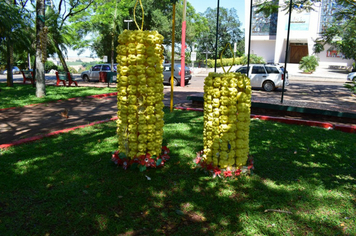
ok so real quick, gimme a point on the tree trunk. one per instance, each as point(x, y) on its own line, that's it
point(61, 57)
point(40, 49)
point(9, 77)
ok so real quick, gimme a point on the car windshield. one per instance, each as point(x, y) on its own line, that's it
point(179, 66)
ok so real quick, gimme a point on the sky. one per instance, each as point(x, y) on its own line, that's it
point(200, 6)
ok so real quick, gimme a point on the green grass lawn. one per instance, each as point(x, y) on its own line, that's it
point(67, 185)
point(24, 94)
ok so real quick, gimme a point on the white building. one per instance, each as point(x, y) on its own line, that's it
point(269, 35)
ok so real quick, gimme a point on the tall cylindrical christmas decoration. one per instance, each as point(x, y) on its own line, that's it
point(140, 99)
point(227, 102)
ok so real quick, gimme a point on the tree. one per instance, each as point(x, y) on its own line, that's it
point(14, 33)
point(229, 31)
point(104, 26)
point(341, 34)
point(60, 34)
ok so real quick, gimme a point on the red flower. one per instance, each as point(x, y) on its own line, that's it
point(237, 172)
point(210, 167)
point(115, 157)
point(152, 163)
point(197, 160)
point(217, 171)
point(227, 173)
point(165, 150)
point(162, 163)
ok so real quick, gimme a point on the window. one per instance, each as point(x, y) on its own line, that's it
point(106, 67)
point(242, 70)
point(167, 68)
point(272, 70)
point(96, 68)
point(258, 70)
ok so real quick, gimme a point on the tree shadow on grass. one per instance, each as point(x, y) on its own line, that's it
point(68, 184)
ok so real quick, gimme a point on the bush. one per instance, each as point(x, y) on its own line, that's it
point(351, 86)
point(225, 62)
point(308, 64)
point(49, 65)
point(254, 59)
point(73, 70)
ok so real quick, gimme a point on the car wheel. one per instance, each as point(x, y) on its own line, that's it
point(268, 86)
point(86, 78)
point(175, 82)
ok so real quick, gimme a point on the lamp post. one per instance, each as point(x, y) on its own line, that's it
point(128, 23)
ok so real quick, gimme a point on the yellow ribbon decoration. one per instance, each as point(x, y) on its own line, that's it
point(143, 15)
point(233, 60)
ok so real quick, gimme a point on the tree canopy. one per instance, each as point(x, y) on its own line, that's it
point(341, 33)
point(229, 31)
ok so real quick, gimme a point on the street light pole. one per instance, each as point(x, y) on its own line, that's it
point(128, 23)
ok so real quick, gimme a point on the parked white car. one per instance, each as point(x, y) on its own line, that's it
point(352, 76)
point(268, 77)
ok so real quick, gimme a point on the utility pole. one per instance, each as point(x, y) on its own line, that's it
point(182, 64)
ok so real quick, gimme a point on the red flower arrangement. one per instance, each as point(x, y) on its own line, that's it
point(141, 162)
point(226, 173)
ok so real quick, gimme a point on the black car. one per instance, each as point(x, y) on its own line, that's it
point(176, 74)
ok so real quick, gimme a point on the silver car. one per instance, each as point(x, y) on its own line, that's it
point(93, 73)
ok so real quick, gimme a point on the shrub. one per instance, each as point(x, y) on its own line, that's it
point(254, 59)
point(351, 86)
point(308, 64)
point(73, 70)
point(225, 62)
point(49, 65)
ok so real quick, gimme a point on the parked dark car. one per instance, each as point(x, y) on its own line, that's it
point(93, 73)
point(176, 74)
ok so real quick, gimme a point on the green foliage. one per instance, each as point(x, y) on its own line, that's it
point(309, 63)
point(254, 59)
point(16, 30)
point(342, 28)
point(225, 62)
point(351, 86)
point(229, 32)
point(73, 70)
point(49, 65)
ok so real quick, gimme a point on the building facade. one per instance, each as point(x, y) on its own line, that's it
point(269, 34)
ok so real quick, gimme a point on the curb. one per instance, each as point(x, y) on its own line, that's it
point(35, 138)
point(325, 125)
point(104, 95)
